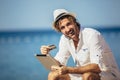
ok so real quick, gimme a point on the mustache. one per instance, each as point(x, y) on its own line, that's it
point(70, 31)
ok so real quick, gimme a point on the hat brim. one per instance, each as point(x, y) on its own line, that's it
point(64, 14)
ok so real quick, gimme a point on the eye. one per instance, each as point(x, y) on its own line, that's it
point(62, 27)
point(69, 23)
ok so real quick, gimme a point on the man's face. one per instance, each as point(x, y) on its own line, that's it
point(69, 29)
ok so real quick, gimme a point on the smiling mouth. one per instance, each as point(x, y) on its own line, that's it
point(71, 32)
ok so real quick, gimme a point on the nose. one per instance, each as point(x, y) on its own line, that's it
point(67, 29)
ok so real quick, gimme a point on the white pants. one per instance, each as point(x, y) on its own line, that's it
point(109, 76)
point(75, 77)
point(104, 76)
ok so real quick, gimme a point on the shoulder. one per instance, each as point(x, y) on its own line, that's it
point(90, 34)
point(90, 31)
point(64, 42)
point(63, 37)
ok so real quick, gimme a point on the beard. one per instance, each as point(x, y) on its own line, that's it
point(72, 34)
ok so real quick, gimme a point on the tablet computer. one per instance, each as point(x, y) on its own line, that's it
point(47, 60)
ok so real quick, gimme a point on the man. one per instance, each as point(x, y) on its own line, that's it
point(91, 54)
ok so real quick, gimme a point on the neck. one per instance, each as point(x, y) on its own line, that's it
point(76, 42)
point(76, 39)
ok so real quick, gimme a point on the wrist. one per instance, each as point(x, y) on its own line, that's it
point(70, 70)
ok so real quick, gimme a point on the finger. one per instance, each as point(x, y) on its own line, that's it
point(60, 72)
point(44, 52)
point(44, 49)
point(48, 47)
point(55, 67)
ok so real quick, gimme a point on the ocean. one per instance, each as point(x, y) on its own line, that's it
point(18, 49)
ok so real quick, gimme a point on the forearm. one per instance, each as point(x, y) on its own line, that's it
point(83, 69)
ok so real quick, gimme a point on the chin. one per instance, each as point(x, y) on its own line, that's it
point(72, 37)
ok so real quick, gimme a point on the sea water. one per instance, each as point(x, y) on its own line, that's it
point(17, 50)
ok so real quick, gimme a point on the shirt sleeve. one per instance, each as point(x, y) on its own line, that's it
point(97, 48)
point(63, 54)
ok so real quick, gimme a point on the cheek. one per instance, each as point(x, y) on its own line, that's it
point(63, 31)
point(72, 27)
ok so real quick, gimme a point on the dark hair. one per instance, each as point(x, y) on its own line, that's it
point(69, 17)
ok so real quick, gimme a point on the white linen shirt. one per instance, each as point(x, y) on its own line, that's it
point(91, 48)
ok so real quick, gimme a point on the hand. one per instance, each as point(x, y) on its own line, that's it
point(61, 70)
point(44, 49)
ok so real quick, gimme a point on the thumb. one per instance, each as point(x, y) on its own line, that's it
point(55, 67)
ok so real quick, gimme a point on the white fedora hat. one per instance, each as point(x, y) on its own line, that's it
point(57, 14)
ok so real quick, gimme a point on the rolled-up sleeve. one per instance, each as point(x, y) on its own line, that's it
point(63, 54)
point(97, 49)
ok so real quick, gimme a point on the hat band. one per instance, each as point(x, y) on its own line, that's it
point(59, 16)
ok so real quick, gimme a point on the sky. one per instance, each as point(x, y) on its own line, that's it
point(38, 14)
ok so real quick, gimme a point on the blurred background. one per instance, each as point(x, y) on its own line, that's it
point(25, 25)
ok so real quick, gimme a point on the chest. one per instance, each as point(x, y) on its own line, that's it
point(81, 54)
